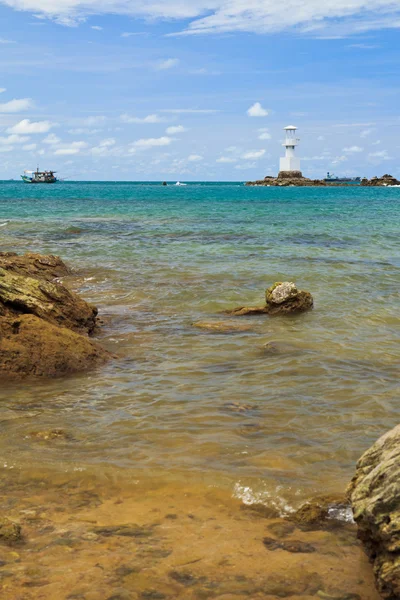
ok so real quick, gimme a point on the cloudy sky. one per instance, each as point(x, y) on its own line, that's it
point(198, 89)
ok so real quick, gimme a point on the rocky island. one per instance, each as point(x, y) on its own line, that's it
point(296, 179)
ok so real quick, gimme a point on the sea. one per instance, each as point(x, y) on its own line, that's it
point(201, 417)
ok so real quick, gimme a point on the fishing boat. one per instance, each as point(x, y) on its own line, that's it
point(331, 178)
point(39, 176)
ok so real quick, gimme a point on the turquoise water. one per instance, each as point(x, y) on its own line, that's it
point(219, 409)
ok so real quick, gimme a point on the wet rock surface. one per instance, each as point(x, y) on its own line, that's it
point(374, 493)
point(318, 512)
point(280, 298)
point(10, 532)
point(289, 546)
point(44, 327)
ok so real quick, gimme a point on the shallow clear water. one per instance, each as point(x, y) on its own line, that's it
point(182, 404)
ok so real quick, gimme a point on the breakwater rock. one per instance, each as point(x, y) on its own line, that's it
point(383, 181)
point(374, 493)
point(281, 298)
point(288, 179)
point(44, 327)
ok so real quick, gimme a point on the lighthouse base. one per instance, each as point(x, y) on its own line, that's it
point(290, 175)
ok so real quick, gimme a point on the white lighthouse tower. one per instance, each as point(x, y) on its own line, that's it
point(290, 163)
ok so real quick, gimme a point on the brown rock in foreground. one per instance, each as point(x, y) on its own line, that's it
point(281, 298)
point(48, 300)
point(31, 347)
point(374, 493)
point(44, 326)
point(34, 265)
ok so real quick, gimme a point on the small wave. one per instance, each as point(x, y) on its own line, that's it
point(248, 496)
point(4, 224)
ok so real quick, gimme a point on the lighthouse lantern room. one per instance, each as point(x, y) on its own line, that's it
point(290, 163)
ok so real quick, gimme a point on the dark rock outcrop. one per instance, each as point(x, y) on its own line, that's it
point(281, 298)
point(287, 179)
point(383, 181)
point(374, 493)
point(44, 327)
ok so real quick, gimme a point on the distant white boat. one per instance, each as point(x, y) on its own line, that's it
point(179, 183)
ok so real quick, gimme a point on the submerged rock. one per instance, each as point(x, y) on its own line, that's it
point(281, 298)
point(222, 326)
point(294, 546)
point(316, 512)
point(374, 493)
point(43, 325)
point(10, 532)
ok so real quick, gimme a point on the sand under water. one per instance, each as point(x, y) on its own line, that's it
point(132, 481)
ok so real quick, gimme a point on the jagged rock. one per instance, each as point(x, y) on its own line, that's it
point(43, 325)
point(50, 301)
point(281, 298)
point(383, 181)
point(32, 347)
point(374, 493)
point(281, 292)
point(34, 265)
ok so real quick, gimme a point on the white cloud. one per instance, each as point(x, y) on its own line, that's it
point(175, 129)
point(97, 28)
point(226, 159)
point(72, 148)
point(128, 34)
point(245, 166)
point(90, 121)
point(253, 154)
point(5, 41)
point(66, 151)
point(83, 130)
point(107, 143)
point(256, 110)
point(29, 147)
point(13, 139)
point(366, 132)
point(169, 63)
point(331, 18)
point(16, 106)
point(339, 159)
point(264, 134)
point(3, 90)
point(26, 126)
point(51, 139)
point(353, 149)
point(149, 119)
point(195, 158)
point(189, 111)
point(6, 148)
point(379, 156)
point(152, 142)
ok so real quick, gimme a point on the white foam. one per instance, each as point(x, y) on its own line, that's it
point(248, 496)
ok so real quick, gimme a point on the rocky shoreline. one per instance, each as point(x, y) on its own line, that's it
point(44, 327)
point(296, 179)
point(46, 331)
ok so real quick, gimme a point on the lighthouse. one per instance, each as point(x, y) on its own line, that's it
point(290, 164)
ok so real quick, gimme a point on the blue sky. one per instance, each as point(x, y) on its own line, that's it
point(198, 89)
